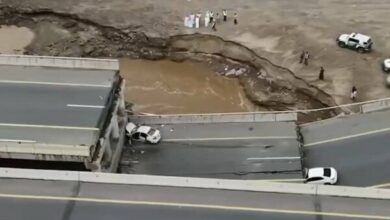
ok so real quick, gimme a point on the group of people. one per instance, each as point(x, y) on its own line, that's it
point(210, 19)
point(304, 58)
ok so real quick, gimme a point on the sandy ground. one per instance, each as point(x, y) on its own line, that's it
point(276, 29)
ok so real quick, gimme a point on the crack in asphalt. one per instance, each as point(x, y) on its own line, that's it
point(69, 207)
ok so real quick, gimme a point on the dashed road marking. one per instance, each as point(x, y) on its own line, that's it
point(54, 83)
point(48, 126)
point(229, 138)
point(85, 106)
point(273, 158)
point(17, 141)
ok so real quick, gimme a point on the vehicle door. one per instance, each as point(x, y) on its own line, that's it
point(352, 42)
point(143, 136)
point(315, 180)
point(136, 136)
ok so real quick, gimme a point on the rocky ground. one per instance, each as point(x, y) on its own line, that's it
point(266, 43)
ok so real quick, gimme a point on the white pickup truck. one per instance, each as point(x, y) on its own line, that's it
point(360, 42)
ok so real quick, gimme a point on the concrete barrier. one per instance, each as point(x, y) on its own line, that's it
point(213, 118)
point(39, 174)
point(222, 184)
point(62, 62)
point(376, 106)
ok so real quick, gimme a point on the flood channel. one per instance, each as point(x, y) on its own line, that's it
point(166, 87)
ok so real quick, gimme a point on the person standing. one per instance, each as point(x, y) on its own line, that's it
point(207, 19)
point(192, 18)
point(235, 18)
point(321, 75)
point(224, 12)
point(186, 21)
point(306, 57)
point(217, 18)
point(213, 26)
point(353, 93)
point(211, 17)
point(301, 57)
point(197, 21)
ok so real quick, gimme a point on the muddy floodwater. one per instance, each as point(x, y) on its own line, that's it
point(14, 39)
point(167, 87)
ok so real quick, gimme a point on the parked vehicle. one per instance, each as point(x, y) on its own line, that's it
point(386, 65)
point(360, 42)
point(143, 133)
point(321, 175)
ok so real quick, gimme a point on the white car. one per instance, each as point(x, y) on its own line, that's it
point(360, 42)
point(321, 175)
point(386, 65)
point(143, 133)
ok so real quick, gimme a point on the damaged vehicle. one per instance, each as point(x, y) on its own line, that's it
point(143, 133)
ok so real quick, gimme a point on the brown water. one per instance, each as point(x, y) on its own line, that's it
point(163, 87)
point(14, 39)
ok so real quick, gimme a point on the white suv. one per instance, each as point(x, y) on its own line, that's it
point(321, 175)
point(360, 42)
point(386, 65)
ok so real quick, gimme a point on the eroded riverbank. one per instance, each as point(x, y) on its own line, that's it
point(267, 85)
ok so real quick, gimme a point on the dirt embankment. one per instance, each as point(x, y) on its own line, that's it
point(266, 84)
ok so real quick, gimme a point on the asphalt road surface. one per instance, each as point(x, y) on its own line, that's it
point(221, 150)
point(358, 146)
point(52, 200)
point(53, 105)
point(360, 161)
point(258, 160)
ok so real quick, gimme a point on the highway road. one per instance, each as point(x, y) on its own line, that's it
point(360, 161)
point(52, 200)
point(47, 105)
point(210, 160)
point(357, 146)
point(220, 150)
point(62, 105)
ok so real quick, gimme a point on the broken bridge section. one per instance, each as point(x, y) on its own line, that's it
point(238, 146)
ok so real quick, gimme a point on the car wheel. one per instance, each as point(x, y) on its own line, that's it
point(341, 44)
point(360, 50)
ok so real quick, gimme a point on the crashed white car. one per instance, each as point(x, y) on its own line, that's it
point(360, 42)
point(143, 133)
point(386, 65)
point(321, 175)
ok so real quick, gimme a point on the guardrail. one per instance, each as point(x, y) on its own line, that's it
point(184, 182)
point(376, 106)
point(213, 118)
point(291, 115)
point(62, 62)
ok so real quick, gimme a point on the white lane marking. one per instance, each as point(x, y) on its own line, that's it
point(229, 138)
point(347, 137)
point(273, 158)
point(85, 106)
point(48, 126)
point(194, 205)
point(380, 185)
point(278, 180)
point(54, 83)
point(17, 141)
